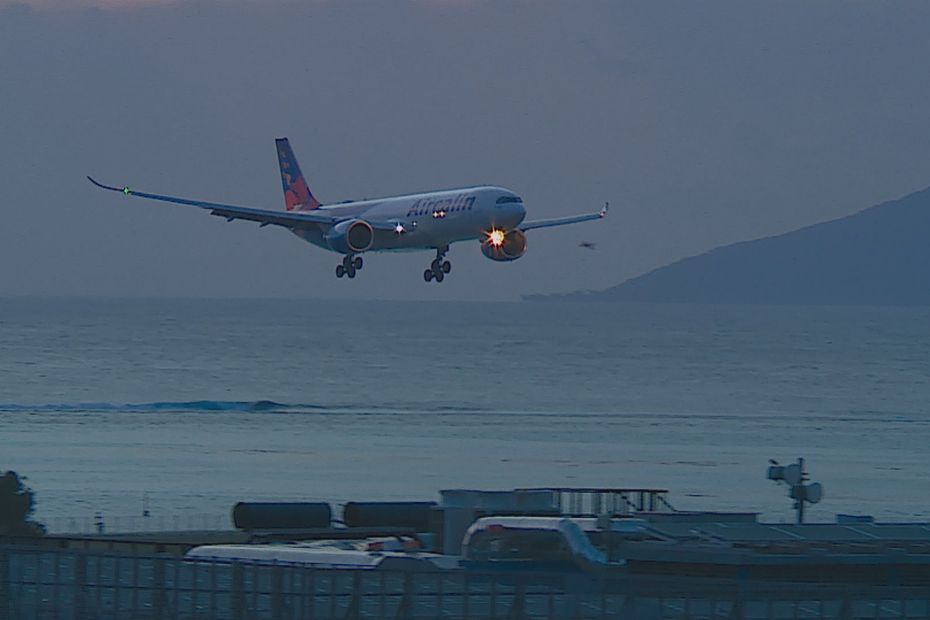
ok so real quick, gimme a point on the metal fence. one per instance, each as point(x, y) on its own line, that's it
point(597, 501)
point(68, 585)
point(109, 524)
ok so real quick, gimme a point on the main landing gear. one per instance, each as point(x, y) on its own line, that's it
point(350, 265)
point(439, 267)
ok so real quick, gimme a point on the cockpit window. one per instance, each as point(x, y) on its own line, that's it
point(506, 199)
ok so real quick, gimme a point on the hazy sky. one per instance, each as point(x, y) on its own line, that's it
point(702, 123)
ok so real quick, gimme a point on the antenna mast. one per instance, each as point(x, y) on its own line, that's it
point(795, 477)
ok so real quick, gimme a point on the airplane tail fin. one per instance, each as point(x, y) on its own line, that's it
point(297, 196)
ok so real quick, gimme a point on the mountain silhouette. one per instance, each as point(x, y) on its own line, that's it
point(878, 256)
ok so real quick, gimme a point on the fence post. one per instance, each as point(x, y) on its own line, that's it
point(846, 606)
point(737, 612)
point(403, 610)
point(310, 579)
point(466, 593)
point(238, 591)
point(158, 588)
point(80, 584)
point(277, 593)
point(5, 584)
point(518, 606)
point(572, 588)
point(355, 603)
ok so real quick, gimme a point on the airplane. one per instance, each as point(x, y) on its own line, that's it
point(492, 215)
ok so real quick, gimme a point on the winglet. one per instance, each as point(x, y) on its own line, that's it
point(125, 190)
point(603, 212)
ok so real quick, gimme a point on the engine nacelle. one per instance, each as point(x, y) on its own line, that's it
point(350, 236)
point(511, 247)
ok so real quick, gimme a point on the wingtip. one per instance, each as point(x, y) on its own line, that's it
point(125, 190)
point(97, 183)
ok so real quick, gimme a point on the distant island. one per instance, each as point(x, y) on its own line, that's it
point(879, 256)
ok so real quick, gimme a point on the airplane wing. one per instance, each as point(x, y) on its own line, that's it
point(561, 221)
point(288, 219)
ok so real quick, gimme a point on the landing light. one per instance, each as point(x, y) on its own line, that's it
point(496, 237)
point(399, 228)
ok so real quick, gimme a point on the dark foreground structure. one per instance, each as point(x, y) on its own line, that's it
point(527, 554)
point(83, 585)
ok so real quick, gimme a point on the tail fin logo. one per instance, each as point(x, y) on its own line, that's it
point(297, 195)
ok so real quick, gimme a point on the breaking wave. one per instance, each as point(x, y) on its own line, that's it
point(239, 406)
point(193, 405)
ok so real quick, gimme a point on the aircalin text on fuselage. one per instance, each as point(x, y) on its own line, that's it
point(438, 208)
point(494, 216)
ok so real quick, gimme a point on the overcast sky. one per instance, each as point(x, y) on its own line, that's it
point(702, 124)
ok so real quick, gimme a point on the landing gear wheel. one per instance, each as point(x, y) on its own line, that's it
point(439, 267)
point(340, 271)
point(351, 271)
point(357, 262)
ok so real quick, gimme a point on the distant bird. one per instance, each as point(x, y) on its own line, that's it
point(587, 244)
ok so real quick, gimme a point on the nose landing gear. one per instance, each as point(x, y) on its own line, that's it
point(439, 267)
point(350, 265)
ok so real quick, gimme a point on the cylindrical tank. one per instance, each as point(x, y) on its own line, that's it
point(415, 515)
point(281, 515)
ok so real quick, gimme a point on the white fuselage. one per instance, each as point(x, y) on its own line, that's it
point(431, 219)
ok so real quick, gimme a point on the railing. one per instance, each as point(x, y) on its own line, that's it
point(600, 501)
point(41, 583)
point(108, 524)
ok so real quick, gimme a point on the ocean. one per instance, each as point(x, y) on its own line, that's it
point(183, 407)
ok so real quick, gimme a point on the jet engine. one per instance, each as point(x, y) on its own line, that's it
point(350, 236)
point(504, 246)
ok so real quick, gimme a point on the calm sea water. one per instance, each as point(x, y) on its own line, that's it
point(192, 405)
